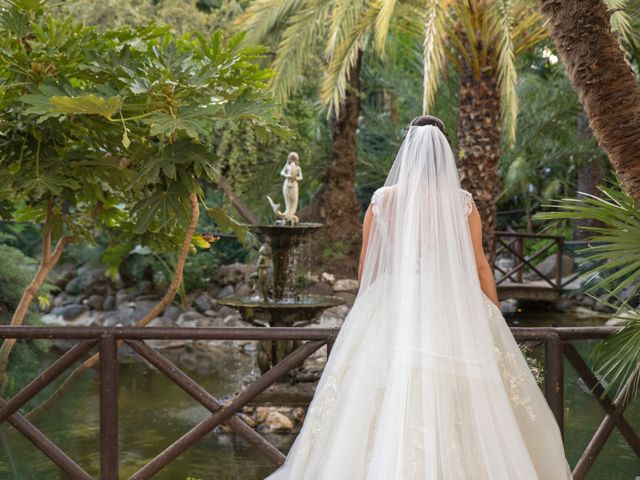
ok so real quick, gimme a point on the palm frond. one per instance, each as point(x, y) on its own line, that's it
point(621, 21)
point(383, 21)
point(264, 16)
point(617, 253)
point(344, 55)
point(507, 73)
point(433, 53)
point(300, 46)
point(616, 358)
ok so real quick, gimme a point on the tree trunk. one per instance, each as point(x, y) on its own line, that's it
point(336, 204)
point(605, 82)
point(479, 131)
point(589, 176)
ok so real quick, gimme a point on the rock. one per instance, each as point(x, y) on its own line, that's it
point(601, 303)
point(633, 299)
point(262, 412)
point(623, 317)
point(62, 299)
point(52, 320)
point(548, 267)
point(172, 313)
point(276, 422)
point(147, 297)
point(321, 288)
point(109, 303)
point(69, 312)
point(243, 289)
point(566, 303)
point(346, 285)
point(96, 283)
point(213, 289)
point(226, 291)
point(247, 419)
point(63, 275)
point(235, 320)
point(95, 301)
point(203, 302)
point(190, 318)
point(298, 414)
point(211, 313)
point(328, 278)
point(91, 318)
point(226, 311)
point(123, 296)
point(348, 297)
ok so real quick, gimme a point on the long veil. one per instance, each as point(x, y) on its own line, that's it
point(413, 387)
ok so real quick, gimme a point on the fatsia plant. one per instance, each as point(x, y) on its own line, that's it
point(111, 132)
point(614, 255)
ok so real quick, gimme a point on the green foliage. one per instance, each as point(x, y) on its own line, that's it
point(114, 129)
point(542, 165)
point(614, 246)
point(183, 16)
point(613, 254)
point(16, 271)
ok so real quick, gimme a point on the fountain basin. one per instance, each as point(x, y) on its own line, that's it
point(280, 313)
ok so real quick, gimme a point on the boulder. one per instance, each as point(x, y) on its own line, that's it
point(548, 267)
point(171, 313)
point(346, 285)
point(95, 301)
point(328, 278)
point(276, 422)
point(109, 303)
point(226, 291)
point(203, 302)
point(348, 297)
point(69, 312)
point(321, 288)
point(243, 289)
point(623, 317)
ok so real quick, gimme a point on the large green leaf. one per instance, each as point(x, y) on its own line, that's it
point(87, 104)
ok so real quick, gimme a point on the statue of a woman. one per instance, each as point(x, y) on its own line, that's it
point(292, 174)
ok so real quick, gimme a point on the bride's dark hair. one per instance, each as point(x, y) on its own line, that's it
point(423, 120)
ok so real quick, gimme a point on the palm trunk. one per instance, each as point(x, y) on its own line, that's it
point(479, 131)
point(336, 204)
point(605, 82)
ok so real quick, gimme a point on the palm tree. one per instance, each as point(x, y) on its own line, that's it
point(479, 38)
point(311, 34)
point(605, 82)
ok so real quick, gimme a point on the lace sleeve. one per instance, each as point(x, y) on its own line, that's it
point(467, 200)
point(376, 199)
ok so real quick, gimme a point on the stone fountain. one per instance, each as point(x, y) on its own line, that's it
point(277, 302)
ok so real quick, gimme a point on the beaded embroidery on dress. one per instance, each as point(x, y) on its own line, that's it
point(425, 380)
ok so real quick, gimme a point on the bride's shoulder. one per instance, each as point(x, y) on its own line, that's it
point(377, 195)
point(467, 199)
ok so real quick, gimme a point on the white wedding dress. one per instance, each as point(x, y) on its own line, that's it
point(425, 380)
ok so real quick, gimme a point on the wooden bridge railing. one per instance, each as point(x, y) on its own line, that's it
point(557, 344)
point(513, 244)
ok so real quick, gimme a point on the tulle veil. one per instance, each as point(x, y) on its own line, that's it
point(412, 388)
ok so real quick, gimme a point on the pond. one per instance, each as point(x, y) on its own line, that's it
point(154, 412)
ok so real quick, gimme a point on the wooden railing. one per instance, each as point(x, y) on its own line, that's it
point(513, 243)
point(557, 345)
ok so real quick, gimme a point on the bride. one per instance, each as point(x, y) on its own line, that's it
point(425, 380)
